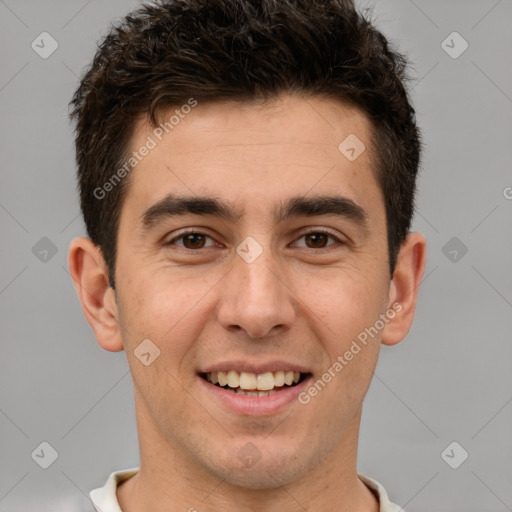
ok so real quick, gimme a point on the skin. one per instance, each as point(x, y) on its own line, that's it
point(298, 301)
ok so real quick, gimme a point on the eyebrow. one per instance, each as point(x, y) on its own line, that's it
point(176, 205)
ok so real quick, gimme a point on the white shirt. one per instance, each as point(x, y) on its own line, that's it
point(104, 499)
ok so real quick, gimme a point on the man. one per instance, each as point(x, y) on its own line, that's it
point(247, 176)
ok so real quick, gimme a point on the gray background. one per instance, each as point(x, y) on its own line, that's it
point(450, 380)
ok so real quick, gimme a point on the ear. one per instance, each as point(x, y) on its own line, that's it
point(404, 288)
point(90, 276)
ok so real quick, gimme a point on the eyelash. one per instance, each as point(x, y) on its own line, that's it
point(196, 232)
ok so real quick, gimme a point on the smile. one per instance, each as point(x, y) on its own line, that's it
point(252, 384)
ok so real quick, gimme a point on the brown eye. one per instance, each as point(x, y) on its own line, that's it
point(192, 240)
point(318, 240)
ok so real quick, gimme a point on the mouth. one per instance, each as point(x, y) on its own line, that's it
point(255, 384)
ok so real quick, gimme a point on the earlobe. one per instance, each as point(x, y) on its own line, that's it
point(90, 277)
point(404, 288)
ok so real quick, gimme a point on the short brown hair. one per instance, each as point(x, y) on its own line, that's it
point(165, 53)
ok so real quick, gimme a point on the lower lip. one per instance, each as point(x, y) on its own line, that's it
point(254, 405)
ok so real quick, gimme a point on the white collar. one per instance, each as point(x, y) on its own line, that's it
point(104, 499)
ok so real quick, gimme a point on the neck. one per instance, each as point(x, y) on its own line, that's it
point(171, 480)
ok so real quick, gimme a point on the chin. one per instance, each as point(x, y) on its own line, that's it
point(264, 471)
point(268, 477)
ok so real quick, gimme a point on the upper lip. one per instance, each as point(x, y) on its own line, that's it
point(255, 367)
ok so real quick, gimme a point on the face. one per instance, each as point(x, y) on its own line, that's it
point(250, 244)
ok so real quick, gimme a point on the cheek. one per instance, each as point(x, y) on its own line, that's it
point(343, 302)
point(171, 314)
point(164, 319)
point(343, 311)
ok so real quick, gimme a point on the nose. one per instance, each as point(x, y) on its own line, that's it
point(256, 298)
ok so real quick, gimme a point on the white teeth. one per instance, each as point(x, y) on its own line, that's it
point(233, 379)
point(251, 384)
point(265, 381)
point(223, 380)
point(279, 378)
point(252, 393)
point(247, 380)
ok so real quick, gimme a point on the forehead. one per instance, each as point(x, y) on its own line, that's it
point(255, 155)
